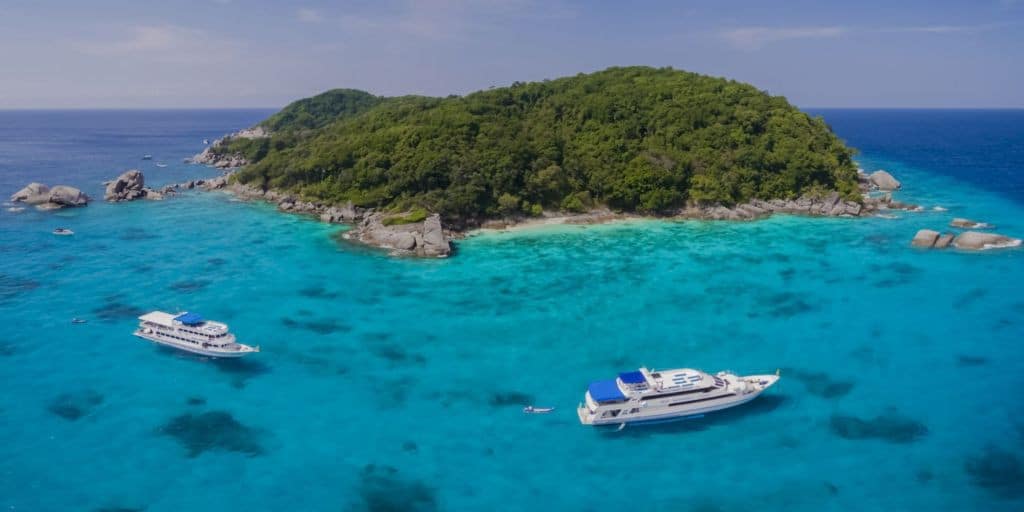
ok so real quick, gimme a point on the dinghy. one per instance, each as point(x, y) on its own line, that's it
point(529, 409)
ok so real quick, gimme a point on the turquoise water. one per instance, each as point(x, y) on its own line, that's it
point(396, 384)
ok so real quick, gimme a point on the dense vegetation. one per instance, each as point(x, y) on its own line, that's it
point(635, 139)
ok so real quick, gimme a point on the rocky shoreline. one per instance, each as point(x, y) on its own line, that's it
point(425, 235)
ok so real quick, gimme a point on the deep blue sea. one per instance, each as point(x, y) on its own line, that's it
point(396, 384)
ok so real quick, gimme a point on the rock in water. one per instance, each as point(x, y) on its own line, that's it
point(33, 193)
point(968, 224)
point(925, 238)
point(943, 241)
point(434, 243)
point(976, 241)
point(63, 195)
point(126, 187)
point(884, 181)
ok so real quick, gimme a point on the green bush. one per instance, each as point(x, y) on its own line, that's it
point(415, 215)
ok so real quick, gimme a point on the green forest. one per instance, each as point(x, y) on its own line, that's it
point(634, 139)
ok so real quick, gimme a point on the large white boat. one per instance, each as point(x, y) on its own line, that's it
point(190, 332)
point(644, 396)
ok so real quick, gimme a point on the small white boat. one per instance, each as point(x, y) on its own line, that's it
point(77, 320)
point(161, 165)
point(529, 409)
point(206, 141)
point(191, 333)
point(645, 396)
point(63, 232)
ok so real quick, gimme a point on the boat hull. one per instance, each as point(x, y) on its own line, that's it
point(655, 416)
point(193, 349)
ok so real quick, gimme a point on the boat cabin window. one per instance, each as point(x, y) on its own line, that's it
point(634, 410)
point(611, 414)
point(678, 393)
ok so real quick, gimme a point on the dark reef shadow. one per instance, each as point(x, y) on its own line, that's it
point(968, 360)
point(761, 405)
point(190, 285)
point(383, 489)
point(74, 405)
point(820, 383)
point(997, 471)
point(134, 233)
point(11, 287)
point(510, 398)
point(891, 427)
point(213, 430)
point(322, 326)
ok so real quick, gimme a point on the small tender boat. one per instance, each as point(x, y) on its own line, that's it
point(161, 165)
point(529, 409)
point(206, 141)
point(147, 157)
point(78, 321)
point(63, 232)
point(192, 333)
point(646, 396)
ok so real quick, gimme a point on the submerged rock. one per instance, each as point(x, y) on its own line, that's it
point(976, 241)
point(215, 430)
point(382, 489)
point(72, 406)
point(882, 180)
point(997, 471)
point(892, 428)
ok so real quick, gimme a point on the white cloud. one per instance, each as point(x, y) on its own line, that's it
point(309, 16)
point(161, 43)
point(752, 38)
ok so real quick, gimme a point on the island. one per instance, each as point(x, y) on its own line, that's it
point(412, 172)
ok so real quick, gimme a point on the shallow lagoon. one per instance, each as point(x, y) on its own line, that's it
point(391, 384)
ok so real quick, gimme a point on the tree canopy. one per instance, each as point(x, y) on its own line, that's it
point(634, 139)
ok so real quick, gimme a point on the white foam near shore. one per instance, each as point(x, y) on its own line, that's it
point(1014, 242)
point(940, 209)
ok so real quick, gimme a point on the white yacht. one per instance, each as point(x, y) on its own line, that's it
point(190, 332)
point(644, 396)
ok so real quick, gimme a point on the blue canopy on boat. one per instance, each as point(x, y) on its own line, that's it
point(632, 377)
point(605, 391)
point(189, 318)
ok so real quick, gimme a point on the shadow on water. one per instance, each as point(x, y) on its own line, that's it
point(114, 310)
point(762, 405)
point(319, 326)
point(189, 285)
point(240, 369)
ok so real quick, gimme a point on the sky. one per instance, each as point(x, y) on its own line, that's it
point(258, 53)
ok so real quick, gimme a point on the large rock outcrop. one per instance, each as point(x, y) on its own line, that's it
point(46, 198)
point(925, 238)
point(968, 240)
point(33, 193)
point(977, 241)
point(426, 238)
point(130, 185)
point(882, 180)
